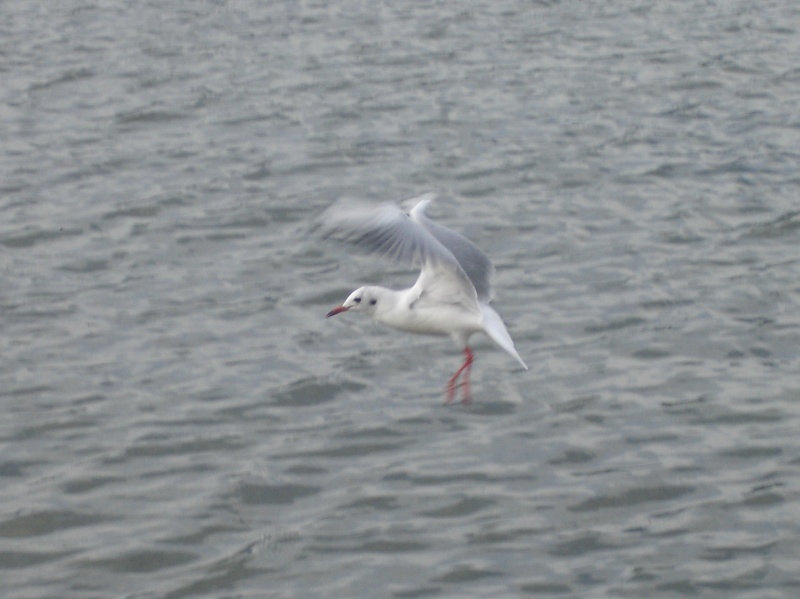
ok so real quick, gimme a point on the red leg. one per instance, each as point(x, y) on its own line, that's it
point(466, 391)
point(451, 384)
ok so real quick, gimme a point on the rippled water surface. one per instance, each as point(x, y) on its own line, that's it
point(179, 418)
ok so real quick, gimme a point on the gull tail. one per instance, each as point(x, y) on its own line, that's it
point(494, 327)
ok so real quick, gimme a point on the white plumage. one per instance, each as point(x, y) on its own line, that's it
point(452, 293)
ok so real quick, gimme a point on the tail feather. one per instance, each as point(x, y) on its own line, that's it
point(494, 327)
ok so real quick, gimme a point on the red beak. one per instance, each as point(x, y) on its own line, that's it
point(336, 310)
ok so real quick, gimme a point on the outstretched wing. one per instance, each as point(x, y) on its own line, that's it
point(389, 232)
point(472, 260)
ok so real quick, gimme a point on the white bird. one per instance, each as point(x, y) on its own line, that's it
point(453, 291)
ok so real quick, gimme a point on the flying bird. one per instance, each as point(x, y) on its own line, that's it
point(452, 293)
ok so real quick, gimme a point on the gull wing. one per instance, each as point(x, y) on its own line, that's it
point(470, 257)
point(389, 232)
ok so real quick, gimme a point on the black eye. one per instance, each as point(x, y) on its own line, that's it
point(372, 302)
point(357, 300)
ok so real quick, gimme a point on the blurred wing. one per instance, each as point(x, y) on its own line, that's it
point(472, 260)
point(389, 232)
point(437, 287)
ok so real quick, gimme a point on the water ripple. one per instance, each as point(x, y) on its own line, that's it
point(180, 419)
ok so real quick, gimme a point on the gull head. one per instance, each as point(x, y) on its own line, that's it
point(363, 299)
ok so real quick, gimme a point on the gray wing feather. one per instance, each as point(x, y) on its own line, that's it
point(473, 261)
point(387, 231)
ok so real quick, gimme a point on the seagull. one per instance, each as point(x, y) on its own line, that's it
point(452, 293)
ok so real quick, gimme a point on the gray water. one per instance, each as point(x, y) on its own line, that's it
point(179, 418)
